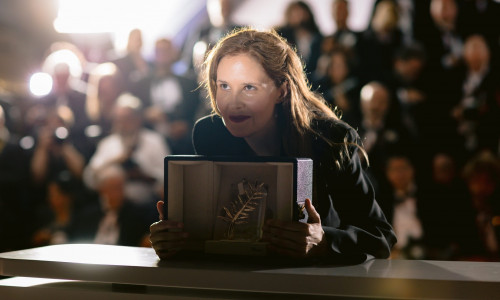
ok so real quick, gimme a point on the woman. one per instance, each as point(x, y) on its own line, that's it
point(263, 106)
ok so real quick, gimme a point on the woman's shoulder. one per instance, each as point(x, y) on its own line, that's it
point(339, 139)
point(207, 126)
point(336, 130)
point(209, 120)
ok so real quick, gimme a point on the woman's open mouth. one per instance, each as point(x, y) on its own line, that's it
point(238, 118)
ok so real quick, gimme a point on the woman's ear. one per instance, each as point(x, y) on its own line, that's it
point(283, 92)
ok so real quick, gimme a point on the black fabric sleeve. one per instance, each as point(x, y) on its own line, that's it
point(354, 224)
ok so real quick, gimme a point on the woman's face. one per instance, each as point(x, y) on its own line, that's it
point(246, 96)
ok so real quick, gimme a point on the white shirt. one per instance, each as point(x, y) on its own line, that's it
point(149, 155)
point(166, 94)
point(108, 232)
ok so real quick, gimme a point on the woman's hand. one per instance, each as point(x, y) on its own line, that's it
point(296, 239)
point(164, 239)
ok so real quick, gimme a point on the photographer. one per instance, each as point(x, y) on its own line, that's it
point(54, 152)
point(139, 151)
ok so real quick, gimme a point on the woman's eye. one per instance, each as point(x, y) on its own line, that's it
point(224, 86)
point(249, 87)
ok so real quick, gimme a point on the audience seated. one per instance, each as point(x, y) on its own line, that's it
point(447, 214)
point(104, 86)
point(443, 41)
point(377, 44)
point(477, 113)
point(481, 17)
point(340, 88)
point(170, 101)
point(55, 150)
point(409, 88)
point(205, 35)
point(343, 38)
point(302, 32)
point(401, 201)
point(65, 64)
point(132, 66)
point(380, 134)
point(482, 176)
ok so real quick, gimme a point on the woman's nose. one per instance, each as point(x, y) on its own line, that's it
point(237, 99)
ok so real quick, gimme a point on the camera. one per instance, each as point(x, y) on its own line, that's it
point(60, 135)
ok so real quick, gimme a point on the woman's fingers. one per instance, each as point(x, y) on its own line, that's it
point(159, 208)
point(167, 237)
point(293, 239)
point(314, 216)
point(165, 226)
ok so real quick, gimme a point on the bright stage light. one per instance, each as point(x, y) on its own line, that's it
point(98, 16)
point(61, 133)
point(64, 56)
point(156, 18)
point(40, 84)
point(91, 16)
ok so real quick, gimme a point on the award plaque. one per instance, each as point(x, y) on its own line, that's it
point(224, 201)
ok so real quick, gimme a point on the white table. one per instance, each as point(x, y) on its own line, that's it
point(85, 271)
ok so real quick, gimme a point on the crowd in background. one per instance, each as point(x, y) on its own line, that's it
point(421, 85)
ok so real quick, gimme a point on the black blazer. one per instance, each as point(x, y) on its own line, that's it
point(354, 224)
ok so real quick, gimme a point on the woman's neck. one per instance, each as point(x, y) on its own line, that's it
point(265, 144)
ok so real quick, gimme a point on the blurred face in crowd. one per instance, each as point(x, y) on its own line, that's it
point(165, 53)
point(108, 91)
point(444, 13)
point(374, 102)
point(134, 44)
point(443, 169)
point(408, 69)
point(476, 53)
point(399, 172)
point(481, 185)
point(340, 13)
point(246, 96)
point(385, 18)
point(297, 15)
point(338, 69)
point(126, 121)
